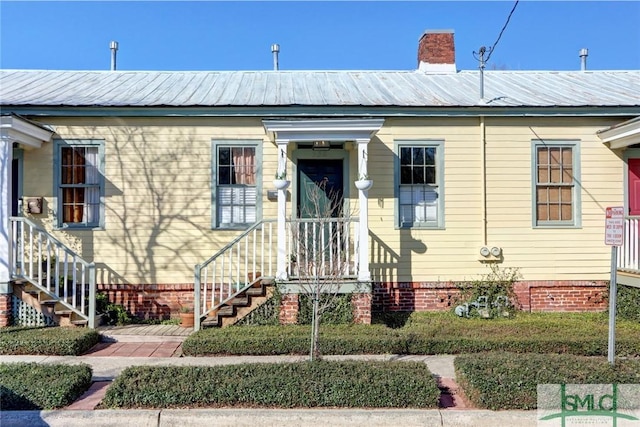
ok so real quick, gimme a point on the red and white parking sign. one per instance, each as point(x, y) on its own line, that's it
point(614, 226)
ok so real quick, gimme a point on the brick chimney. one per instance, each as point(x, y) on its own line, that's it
point(437, 52)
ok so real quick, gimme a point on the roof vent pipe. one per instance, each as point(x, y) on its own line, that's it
point(114, 48)
point(275, 49)
point(583, 58)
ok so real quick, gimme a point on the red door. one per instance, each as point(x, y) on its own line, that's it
point(634, 186)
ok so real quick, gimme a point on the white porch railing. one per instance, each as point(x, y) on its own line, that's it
point(52, 267)
point(326, 247)
point(252, 256)
point(629, 252)
point(235, 268)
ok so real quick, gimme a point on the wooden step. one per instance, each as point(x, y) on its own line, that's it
point(226, 310)
point(240, 301)
point(255, 292)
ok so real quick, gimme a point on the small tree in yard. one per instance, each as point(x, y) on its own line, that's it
point(319, 244)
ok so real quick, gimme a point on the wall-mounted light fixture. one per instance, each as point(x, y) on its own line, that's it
point(34, 205)
point(321, 145)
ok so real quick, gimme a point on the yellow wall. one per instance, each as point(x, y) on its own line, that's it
point(158, 197)
point(453, 253)
point(158, 193)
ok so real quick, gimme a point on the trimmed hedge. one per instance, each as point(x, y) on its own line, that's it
point(283, 385)
point(51, 341)
point(429, 333)
point(30, 386)
point(294, 339)
point(503, 380)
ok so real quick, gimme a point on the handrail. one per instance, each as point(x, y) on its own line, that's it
point(231, 271)
point(54, 268)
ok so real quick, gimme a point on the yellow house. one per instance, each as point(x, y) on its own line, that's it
point(167, 189)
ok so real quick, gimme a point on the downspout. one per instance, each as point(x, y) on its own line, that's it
point(483, 191)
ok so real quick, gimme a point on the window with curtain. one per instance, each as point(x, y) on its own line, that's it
point(555, 175)
point(79, 184)
point(420, 184)
point(236, 192)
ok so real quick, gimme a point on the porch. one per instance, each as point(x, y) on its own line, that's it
point(629, 254)
point(318, 251)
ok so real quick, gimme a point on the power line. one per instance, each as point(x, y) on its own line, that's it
point(492, 48)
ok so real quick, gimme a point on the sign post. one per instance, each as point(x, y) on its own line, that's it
point(614, 230)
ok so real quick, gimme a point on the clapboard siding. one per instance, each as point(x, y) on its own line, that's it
point(158, 197)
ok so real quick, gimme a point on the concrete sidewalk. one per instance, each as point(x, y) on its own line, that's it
point(109, 358)
point(106, 368)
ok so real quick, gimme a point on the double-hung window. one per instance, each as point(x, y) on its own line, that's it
point(556, 172)
point(419, 183)
point(80, 182)
point(235, 180)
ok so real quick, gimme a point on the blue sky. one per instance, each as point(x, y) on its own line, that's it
point(380, 35)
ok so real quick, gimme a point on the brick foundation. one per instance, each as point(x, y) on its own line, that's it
point(544, 295)
point(5, 310)
point(161, 301)
point(361, 308)
point(289, 307)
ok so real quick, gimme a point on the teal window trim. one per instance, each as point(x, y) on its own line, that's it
point(215, 143)
point(58, 144)
point(577, 184)
point(438, 144)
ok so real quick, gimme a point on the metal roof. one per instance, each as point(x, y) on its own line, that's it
point(318, 88)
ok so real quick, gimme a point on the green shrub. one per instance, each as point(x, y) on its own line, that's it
point(339, 310)
point(294, 339)
point(628, 303)
point(496, 283)
point(509, 381)
point(29, 386)
point(575, 333)
point(54, 341)
point(285, 385)
point(114, 314)
point(429, 333)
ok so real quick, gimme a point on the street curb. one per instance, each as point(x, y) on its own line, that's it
point(269, 417)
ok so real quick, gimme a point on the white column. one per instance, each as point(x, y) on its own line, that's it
point(364, 274)
point(6, 157)
point(281, 266)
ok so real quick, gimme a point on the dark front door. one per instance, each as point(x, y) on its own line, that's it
point(320, 183)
